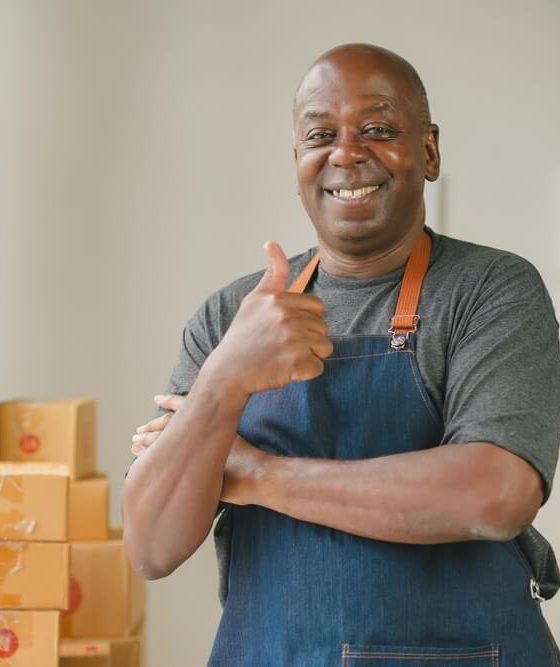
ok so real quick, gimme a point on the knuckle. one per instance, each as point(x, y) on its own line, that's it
point(316, 369)
point(318, 304)
point(308, 368)
point(278, 303)
point(254, 296)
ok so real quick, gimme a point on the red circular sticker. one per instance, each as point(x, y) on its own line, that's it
point(76, 597)
point(29, 443)
point(9, 643)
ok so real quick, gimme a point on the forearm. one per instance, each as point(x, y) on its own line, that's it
point(172, 491)
point(445, 494)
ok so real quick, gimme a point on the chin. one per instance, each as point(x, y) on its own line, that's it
point(358, 231)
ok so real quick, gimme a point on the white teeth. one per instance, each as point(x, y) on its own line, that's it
point(355, 194)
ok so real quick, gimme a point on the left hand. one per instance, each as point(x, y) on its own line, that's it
point(148, 433)
point(245, 468)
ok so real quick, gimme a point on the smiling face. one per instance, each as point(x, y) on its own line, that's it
point(364, 148)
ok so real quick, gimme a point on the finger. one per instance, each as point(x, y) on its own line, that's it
point(307, 302)
point(321, 347)
point(311, 368)
point(138, 450)
point(276, 275)
point(311, 323)
point(169, 401)
point(157, 424)
point(311, 343)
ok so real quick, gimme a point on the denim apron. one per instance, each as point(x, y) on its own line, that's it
point(304, 595)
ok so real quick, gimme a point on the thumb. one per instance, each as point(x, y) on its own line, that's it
point(276, 275)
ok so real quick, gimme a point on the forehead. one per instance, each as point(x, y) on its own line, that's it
point(347, 84)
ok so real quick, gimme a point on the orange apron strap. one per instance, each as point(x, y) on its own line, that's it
point(405, 320)
point(406, 317)
point(301, 282)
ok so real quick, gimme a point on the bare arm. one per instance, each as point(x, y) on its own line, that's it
point(171, 493)
point(445, 494)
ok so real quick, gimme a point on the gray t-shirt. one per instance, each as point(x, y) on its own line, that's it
point(487, 349)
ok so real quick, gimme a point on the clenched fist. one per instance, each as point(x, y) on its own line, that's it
point(276, 337)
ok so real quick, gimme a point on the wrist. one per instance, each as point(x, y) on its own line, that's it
point(222, 384)
point(265, 476)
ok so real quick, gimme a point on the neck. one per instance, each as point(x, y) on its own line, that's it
point(376, 263)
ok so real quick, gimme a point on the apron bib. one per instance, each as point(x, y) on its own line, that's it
point(304, 595)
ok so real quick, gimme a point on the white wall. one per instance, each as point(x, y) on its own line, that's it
point(145, 156)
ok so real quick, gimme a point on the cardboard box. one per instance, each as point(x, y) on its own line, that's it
point(107, 597)
point(89, 509)
point(34, 502)
point(55, 431)
point(126, 652)
point(87, 661)
point(122, 652)
point(85, 653)
point(29, 638)
point(143, 634)
point(34, 575)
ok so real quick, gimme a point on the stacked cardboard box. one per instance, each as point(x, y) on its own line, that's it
point(67, 595)
point(34, 561)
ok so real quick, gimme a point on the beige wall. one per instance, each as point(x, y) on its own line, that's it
point(145, 156)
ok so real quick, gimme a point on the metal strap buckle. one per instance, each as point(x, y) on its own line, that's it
point(398, 341)
point(535, 590)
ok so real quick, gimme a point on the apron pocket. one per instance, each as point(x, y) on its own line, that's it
point(420, 656)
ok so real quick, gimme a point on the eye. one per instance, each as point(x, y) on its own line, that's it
point(319, 136)
point(379, 132)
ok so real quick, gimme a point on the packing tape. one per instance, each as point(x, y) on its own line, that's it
point(24, 526)
point(8, 520)
point(11, 488)
point(11, 562)
point(14, 525)
point(13, 520)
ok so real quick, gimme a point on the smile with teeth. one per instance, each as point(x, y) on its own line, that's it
point(359, 193)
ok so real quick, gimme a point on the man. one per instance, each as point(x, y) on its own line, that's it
point(377, 488)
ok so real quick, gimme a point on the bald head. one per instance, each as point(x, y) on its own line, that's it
point(377, 57)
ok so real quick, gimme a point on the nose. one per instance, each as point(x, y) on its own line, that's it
point(348, 151)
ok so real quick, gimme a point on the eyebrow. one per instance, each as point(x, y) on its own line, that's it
point(315, 115)
point(377, 107)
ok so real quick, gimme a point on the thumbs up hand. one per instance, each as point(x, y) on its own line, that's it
point(275, 338)
point(276, 275)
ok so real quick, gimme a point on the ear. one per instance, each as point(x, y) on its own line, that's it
point(431, 149)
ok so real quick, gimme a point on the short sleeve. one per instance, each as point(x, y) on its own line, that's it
point(503, 368)
point(198, 339)
point(196, 344)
